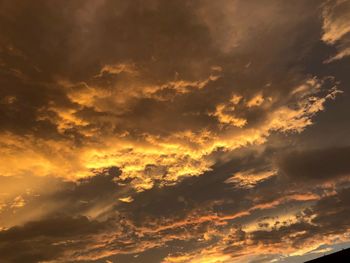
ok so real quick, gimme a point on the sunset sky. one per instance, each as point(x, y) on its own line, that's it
point(174, 131)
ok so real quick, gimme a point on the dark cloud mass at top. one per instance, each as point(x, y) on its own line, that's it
point(173, 131)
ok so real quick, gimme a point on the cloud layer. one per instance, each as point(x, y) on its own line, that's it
point(173, 131)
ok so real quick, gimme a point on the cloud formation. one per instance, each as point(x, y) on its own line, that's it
point(173, 131)
point(336, 27)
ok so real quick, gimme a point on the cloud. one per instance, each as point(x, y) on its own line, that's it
point(44, 240)
point(249, 179)
point(109, 103)
point(154, 220)
point(304, 232)
point(316, 164)
point(152, 131)
point(148, 157)
point(336, 27)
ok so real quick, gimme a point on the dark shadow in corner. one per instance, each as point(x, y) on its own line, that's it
point(340, 256)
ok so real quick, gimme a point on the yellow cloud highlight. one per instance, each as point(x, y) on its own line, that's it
point(249, 179)
point(150, 158)
point(335, 26)
point(116, 69)
point(224, 112)
point(255, 101)
point(127, 199)
point(203, 257)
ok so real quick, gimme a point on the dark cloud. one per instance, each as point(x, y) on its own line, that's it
point(317, 164)
point(328, 217)
point(277, 235)
point(20, 104)
point(40, 240)
point(202, 192)
point(331, 212)
point(76, 39)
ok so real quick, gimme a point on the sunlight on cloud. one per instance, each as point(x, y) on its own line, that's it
point(173, 131)
point(151, 158)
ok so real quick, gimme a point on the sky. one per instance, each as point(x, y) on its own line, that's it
point(173, 131)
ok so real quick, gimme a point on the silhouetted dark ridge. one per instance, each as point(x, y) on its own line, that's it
point(340, 256)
